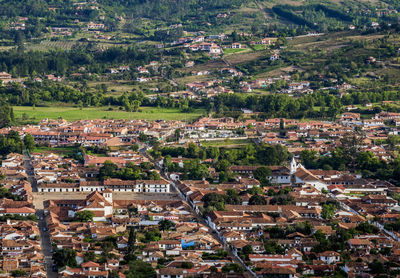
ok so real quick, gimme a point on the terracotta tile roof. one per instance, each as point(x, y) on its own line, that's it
point(90, 264)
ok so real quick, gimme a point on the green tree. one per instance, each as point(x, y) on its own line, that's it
point(377, 267)
point(143, 137)
point(192, 150)
point(350, 145)
point(177, 134)
point(64, 257)
point(166, 225)
point(367, 228)
point(392, 142)
point(367, 161)
point(309, 159)
point(131, 241)
point(214, 201)
point(108, 170)
point(89, 256)
point(223, 165)
point(29, 142)
point(153, 175)
point(135, 147)
point(235, 268)
point(84, 216)
point(6, 114)
point(186, 265)
point(272, 247)
point(135, 105)
point(140, 269)
point(257, 200)
point(262, 174)
point(328, 211)
point(152, 235)
point(247, 250)
point(18, 273)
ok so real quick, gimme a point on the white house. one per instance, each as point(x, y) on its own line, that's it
point(329, 257)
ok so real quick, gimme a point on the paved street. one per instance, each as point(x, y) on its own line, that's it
point(29, 171)
point(44, 234)
point(46, 244)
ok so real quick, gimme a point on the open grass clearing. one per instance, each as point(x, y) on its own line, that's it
point(65, 151)
point(244, 57)
point(226, 143)
point(259, 47)
point(114, 87)
point(71, 113)
point(230, 51)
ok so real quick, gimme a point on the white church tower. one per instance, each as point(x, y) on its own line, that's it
point(293, 166)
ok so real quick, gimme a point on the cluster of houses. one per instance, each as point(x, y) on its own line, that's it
point(209, 89)
point(108, 133)
point(21, 249)
point(14, 177)
point(143, 71)
point(271, 230)
point(296, 135)
point(358, 202)
point(188, 241)
point(54, 173)
point(19, 232)
point(249, 86)
point(210, 45)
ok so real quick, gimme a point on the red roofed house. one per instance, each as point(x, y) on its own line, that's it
point(90, 266)
point(329, 257)
point(99, 161)
point(24, 211)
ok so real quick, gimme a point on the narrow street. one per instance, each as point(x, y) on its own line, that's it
point(29, 171)
point(44, 234)
point(46, 244)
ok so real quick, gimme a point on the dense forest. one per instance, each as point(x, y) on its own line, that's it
point(6, 114)
point(32, 63)
point(328, 16)
point(167, 10)
point(159, 9)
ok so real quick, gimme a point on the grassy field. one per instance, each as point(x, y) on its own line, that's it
point(64, 45)
point(114, 87)
point(74, 113)
point(64, 151)
point(234, 50)
point(244, 57)
point(260, 47)
point(226, 143)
